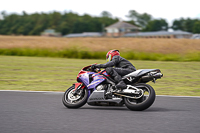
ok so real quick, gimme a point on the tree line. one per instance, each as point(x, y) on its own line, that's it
point(69, 22)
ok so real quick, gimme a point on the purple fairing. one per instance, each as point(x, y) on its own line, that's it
point(84, 78)
point(96, 79)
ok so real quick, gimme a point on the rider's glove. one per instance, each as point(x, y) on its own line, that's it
point(93, 66)
point(96, 66)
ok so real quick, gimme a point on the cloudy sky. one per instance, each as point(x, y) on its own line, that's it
point(167, 9)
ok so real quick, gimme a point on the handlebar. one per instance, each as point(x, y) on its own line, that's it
point(89, 68)
point(98, 69)
point(95, 70)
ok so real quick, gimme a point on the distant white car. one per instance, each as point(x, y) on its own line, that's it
point(195, 36)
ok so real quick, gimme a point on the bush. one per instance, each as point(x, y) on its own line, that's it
point(84, 54)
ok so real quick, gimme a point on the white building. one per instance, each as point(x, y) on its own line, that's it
point(120, 28)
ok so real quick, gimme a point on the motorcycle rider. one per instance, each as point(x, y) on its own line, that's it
point(121, 67)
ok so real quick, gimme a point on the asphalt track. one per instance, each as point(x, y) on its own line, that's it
point(43, 112)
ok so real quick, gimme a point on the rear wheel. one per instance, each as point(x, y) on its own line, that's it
point(71, 100)
point(144, 102)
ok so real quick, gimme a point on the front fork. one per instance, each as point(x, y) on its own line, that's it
point(78, 86)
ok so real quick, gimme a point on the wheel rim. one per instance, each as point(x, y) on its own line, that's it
point(143, 98)
point(74, 99)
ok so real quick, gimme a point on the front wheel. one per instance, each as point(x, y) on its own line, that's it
point(71, 100)
point(144, 102)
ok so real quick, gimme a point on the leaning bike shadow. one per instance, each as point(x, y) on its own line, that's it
point(160, 109)
point(124, 108)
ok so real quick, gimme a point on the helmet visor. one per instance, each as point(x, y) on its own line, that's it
point(109, 58)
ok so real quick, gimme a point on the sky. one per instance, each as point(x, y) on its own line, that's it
point(166, 9)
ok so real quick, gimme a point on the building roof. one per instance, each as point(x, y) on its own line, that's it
point(49, 31)
point(122, 24)
point(158, 33)
point(84, 34)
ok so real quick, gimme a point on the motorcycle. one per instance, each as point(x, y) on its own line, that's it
point(95, 87)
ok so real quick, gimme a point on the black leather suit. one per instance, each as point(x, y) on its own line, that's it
point(121, 67)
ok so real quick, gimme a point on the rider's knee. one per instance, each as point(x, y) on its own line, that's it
point(109, 70)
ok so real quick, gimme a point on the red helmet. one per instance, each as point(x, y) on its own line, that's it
point(112, 53)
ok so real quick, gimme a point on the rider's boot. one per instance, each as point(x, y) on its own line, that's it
point(117, 88)
point(120, 86)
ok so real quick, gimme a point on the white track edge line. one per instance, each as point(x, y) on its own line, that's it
point(63, 92)
point(31, 91)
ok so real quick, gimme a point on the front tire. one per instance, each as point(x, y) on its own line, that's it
point(144, 102)
point(74, 101)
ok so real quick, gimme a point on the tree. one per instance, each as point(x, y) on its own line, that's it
point(140, 19)
point(189, 23)
point(156, 25)
point(184, 24)
point(196, 28)
point(106, 14)
point(178, 24)
point(34, 24)
point(4, 14)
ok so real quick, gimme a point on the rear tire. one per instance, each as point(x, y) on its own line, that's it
point(74, 101)
point(144, 102)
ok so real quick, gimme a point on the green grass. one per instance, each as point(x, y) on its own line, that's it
point(86, 54)
point(57, 74)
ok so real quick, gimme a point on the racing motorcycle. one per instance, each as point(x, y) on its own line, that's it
point(95, 87)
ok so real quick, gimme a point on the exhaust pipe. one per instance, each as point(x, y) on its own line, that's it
point(158, 75)
point(147, 78)
point(151, 76)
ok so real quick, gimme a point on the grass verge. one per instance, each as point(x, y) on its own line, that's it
point(58, 74)
point(84, 54)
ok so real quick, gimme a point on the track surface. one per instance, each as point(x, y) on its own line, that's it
point(43, 112)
